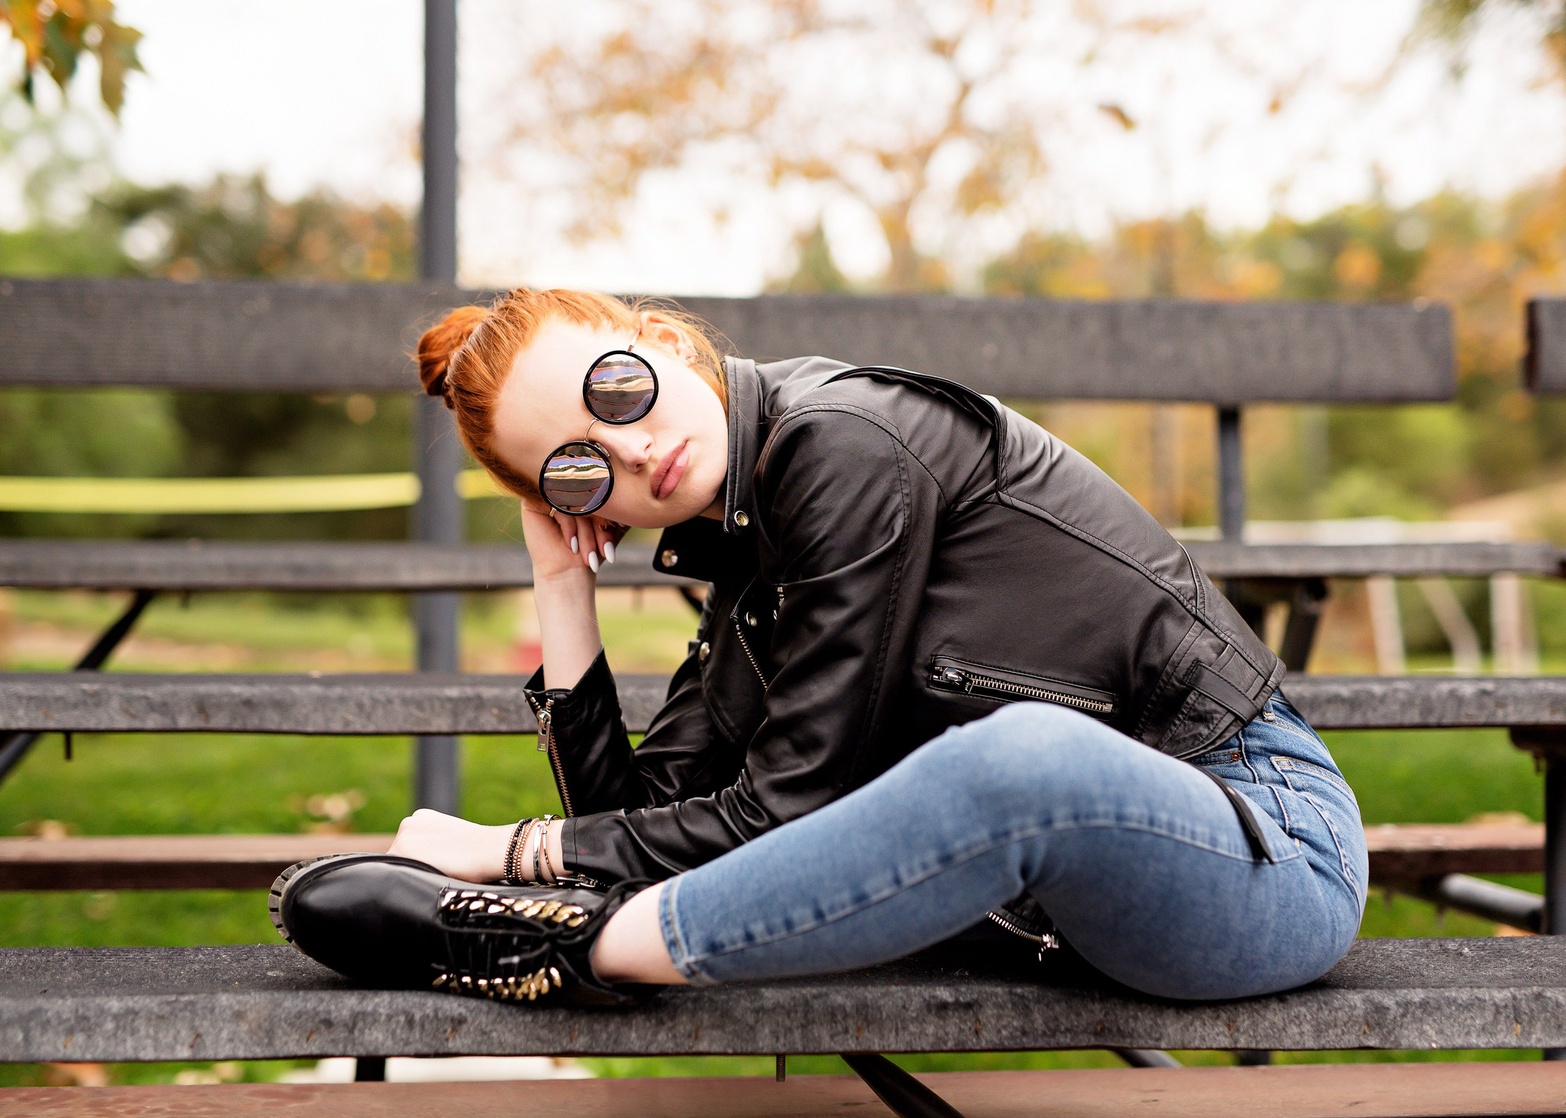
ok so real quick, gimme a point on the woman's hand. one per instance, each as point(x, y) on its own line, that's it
point(559, 544)
point(467, 851)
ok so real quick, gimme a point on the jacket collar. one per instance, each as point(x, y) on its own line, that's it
point(700, 548)
point(746, 420)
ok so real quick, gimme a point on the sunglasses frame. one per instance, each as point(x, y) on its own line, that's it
point(587, 385)
point(598, 448)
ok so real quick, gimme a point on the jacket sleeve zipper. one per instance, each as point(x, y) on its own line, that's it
point(969, 682)
point(547, 744)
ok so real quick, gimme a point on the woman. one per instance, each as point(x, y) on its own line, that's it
point(945, 668)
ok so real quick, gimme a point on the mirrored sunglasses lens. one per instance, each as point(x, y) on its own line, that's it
point(576, 479)
point(621, 388)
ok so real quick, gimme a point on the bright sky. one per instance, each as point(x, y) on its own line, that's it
point(328, 92)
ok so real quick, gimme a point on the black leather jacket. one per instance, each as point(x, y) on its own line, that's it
point(898, 555)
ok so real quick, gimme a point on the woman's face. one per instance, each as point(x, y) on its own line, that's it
point(668, 465)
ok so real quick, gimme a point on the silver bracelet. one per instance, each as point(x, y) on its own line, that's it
point(533, 839)
point(538, 847)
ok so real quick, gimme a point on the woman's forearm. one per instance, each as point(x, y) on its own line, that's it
point(568, 625)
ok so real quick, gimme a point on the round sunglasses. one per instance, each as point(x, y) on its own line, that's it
point(620, 387)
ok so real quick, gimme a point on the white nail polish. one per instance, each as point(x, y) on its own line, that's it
point(573, 545)
point(592, 560)
point(609, 550)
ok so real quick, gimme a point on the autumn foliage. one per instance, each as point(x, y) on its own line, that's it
point(55, 34)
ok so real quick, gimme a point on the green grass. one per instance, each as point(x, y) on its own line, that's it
point(128, 784)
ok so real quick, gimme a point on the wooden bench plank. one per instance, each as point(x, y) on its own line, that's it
point(1409, 852)
point(419, 703)
point(165, 861)
point(179, 565)
point(1400, 560)
point(242, 335)
point(270, 1002)
point(1424, 1090)
point(383, 703)
point(1423, 702)
point(1398, 853)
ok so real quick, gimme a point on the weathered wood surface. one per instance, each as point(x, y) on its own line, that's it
point(1407, 852)
point(165, 861)
point(178, 565)
point(270, 1002)
point(356, 337)
point(417, 703)
point(1423, 1090)
point(1398, 853)
point(388, 703)
point(1404, 560)
point(1414, 702)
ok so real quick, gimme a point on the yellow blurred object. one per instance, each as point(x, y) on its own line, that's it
point(330, 493)
point(476, 483)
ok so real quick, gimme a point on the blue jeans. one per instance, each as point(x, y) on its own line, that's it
point(1141, 860)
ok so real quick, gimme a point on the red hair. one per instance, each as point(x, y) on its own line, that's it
point(466, 357)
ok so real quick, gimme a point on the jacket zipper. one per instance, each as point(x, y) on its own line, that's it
point(739, 629)
point(1049, 941)
point(969, 682)
point(546, 744)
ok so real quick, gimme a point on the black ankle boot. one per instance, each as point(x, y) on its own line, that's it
point(391, 921)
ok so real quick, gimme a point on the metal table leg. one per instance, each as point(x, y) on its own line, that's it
point(16, 746)
point(902, 1093)
point(1299, 633)
point(1147, 1057)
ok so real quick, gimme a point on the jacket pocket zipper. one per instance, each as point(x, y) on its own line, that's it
point(546, 744)
point(739, 629)
point(948, 676)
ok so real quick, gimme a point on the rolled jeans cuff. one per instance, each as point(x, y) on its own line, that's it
point(673, 941)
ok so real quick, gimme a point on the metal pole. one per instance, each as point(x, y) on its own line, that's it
point(437, 454)
point(1231, 475)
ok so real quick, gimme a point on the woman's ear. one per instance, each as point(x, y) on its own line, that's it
point(662, 332)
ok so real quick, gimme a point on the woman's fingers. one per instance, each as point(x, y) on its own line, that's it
point(591, 540)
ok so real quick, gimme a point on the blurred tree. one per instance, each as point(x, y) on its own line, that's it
point(947, 131)
point(233, 227)
point(1454, 23)
point(1482, 259)
point(56, 33)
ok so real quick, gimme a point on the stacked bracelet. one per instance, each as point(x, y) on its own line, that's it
point(511, 867)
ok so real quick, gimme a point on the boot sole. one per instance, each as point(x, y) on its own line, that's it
point(274, 899)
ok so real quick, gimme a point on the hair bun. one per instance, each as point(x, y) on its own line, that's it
point(440, 342)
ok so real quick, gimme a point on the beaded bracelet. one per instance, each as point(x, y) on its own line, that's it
point(510, 866)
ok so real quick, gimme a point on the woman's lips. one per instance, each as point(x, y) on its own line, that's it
point(670, 473)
